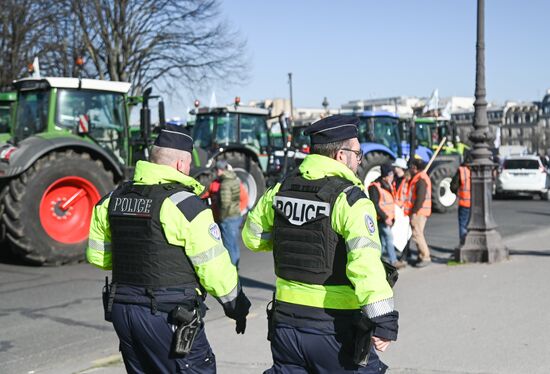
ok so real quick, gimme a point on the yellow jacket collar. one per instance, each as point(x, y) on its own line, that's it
point(150, 173)
point(316, 166)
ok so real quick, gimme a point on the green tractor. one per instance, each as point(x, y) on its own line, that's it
point(249, 138)
point(70, 144)
point(7, 99)
point(429, 133)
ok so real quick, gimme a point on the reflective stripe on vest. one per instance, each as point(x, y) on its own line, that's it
point(464, 192)
point(426, 208)
point(386, 201)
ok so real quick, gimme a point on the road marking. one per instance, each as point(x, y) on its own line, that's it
point(102, 362)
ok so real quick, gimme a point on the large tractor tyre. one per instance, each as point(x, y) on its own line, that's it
point(47, 209)
point(369, 170)
point(249, 173)
point(443, 199)
point(4, 188)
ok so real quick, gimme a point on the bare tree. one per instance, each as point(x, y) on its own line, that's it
point(159, 42)
point(23, 25)
point(64, 43)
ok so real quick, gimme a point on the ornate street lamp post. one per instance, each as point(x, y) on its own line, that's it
point(483, 242)
point(291, 103)
point(325, 105)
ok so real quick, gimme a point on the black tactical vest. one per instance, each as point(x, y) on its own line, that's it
point(141, 254)
point(305, 247)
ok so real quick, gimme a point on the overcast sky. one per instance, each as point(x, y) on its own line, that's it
point(360, 49)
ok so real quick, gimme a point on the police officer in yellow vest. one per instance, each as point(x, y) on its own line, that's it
point(331, 288)
point(165, 251)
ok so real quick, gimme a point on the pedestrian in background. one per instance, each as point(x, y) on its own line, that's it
point(330, 283)
point(419, 207)
point(228, 204)
point(382, 194)
point(165, 251)
point(401, 180)
point(461, 186)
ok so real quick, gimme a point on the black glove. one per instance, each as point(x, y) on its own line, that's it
point(237, 309)
point(240, 326)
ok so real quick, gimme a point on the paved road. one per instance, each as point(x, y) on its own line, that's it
point(51, 318)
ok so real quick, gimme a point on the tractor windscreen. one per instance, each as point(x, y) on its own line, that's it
point(215, 129)
point(32, 113)
point(381, 130)
point(424, 134)
point(4, 119)
point(100, 110)
point(100, 114)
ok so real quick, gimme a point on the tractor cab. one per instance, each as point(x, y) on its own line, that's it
point(381, 128)
point(70, 145)
point(7, 100)
point(251, 141)
point(90, 109)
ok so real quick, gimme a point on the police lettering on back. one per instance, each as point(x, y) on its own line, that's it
point(132, 207)
point(300, 211)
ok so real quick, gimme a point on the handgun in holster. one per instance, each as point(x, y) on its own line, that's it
point(363, 342)
point(391, 273)
point(188, 324)
point(108, 297)
point(269, 310)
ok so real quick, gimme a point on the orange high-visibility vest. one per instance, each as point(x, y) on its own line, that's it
point(401, 193)
point(464, 190)
point(386, 202)
point(426, 209)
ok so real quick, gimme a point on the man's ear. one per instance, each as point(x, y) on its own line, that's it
point(179, 165)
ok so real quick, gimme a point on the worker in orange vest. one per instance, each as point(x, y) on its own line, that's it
point(419, 207)
point(382, 194)
point(461, 186)
point(400, 181)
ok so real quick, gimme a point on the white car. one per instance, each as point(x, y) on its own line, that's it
point(523, 175)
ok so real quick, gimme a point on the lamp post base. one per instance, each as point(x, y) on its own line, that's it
point(482, 246)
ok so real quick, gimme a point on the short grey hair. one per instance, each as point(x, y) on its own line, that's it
point(166, 156)
point(329, 149)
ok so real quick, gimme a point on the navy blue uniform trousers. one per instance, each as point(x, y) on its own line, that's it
point(146, 338)
point(298, 350)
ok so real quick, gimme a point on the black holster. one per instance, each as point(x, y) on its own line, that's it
point(391, 273)
point(188, 323)
point(363, 342)
point(108, 297)
point(270, 310)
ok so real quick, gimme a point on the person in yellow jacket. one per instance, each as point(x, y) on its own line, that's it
point(331, 288)
point(165, 251)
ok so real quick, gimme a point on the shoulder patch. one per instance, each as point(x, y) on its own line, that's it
point(369, 222)
point(191, 207)
point(354, 194)
point(214, 231)
point(102, 200)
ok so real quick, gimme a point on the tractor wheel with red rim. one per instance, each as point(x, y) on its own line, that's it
point(47, 209)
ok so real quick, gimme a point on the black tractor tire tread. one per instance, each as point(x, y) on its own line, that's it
point(9, 207)
point(3, 192)
point(371, 160)
point(20, 244)
point(438, 174)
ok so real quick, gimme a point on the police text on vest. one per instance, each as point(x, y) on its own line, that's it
point(300, 211)
point(129, 206)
